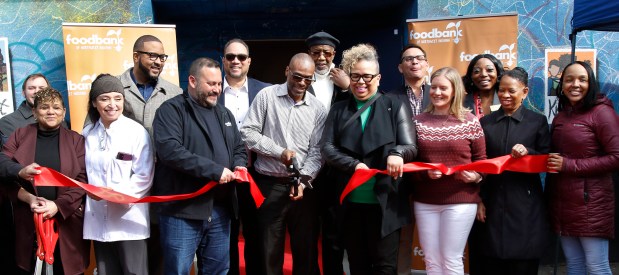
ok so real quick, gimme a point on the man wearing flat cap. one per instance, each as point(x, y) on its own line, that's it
point(331, 85)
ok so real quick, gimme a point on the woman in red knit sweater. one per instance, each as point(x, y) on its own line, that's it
point(445, 205)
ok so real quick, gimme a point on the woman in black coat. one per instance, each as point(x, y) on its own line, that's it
point(381, 137)
point(516, 224)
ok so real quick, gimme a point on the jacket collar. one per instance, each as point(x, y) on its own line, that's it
point(518, 115)
point(129, 84)
point(373, 137)
point(25, 110)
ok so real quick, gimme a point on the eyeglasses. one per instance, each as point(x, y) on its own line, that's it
point(366, 77)
point(154, 56)
point(317, 53)
point(299, 78)
point(241, 57)
point(410, 58)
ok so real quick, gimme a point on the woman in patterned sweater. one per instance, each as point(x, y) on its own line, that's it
point(445, 205)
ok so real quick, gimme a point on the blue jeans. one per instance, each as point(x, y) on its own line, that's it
point(586, 252)
point(209, 240)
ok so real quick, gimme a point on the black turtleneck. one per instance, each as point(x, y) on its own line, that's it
point(47, 153)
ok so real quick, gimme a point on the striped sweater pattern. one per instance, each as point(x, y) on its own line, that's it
point(445, 139)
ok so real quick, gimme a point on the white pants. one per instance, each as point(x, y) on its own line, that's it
point(443, 231)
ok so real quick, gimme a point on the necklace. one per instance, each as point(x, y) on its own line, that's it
point(439, 115)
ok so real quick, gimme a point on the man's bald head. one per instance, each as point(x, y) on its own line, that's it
point(299, 75)
point(301, 60)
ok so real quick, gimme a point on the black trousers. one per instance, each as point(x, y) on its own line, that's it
point(332, 247)
point(368, 253)
point(477, 259)
point(278, 213)
point(248, 220)
point(511, 266)
point(7, 235)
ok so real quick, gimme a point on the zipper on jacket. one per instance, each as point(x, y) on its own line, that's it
point(586, 197)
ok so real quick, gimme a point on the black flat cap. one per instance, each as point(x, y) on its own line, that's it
point(322, 38)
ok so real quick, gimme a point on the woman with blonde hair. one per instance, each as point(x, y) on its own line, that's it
point(445, 205)
point(370, 130)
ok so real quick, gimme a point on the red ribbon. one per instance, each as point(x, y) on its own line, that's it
point(526, 164)
point(47, 236)
point(50, 177)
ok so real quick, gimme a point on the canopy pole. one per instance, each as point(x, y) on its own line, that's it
point(573, 40)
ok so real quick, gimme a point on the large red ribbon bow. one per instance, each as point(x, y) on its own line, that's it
point(50, 177)
point(525, 164)
point(47, 236)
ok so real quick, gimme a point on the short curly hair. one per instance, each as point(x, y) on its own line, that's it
point(357, 53)
point(48, 94)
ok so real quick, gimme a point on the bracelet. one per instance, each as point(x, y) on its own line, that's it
point(480, 178)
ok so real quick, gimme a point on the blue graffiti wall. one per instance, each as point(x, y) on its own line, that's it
point(34, 32)
point(542, 25)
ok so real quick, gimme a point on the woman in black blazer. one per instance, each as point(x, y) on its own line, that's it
point(516, 223)
point(382, 137)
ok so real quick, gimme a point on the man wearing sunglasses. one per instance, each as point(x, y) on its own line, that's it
point(239, 91)
point(283, 126)
point(145, 91)
point(331, 86)
point(331, 83)
point(416, 93)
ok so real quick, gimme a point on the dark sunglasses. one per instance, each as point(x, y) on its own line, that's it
point(326, 53)
point(240, 57)
point(299, 78)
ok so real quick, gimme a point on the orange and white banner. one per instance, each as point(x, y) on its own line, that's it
point(92, 49)
point(454, 41)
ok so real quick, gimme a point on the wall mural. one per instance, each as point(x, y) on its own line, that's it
point(34, 33)
point(542, 25)
point(33, 29)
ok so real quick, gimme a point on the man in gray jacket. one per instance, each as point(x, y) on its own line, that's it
point(145, 90)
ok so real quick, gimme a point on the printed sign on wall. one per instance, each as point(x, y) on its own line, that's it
point(454, 41)
point(92, 49)
point(6, 87)
point(556, 61)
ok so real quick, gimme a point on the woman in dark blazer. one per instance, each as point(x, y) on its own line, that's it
point(481, 83)
point(516, 223)
point(381, 137)
point(48, 144)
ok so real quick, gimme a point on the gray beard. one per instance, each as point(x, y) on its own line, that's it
point(323, 72)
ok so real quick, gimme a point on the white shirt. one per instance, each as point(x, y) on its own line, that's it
point(132, 175)
point(323, 88)
point(237, 101)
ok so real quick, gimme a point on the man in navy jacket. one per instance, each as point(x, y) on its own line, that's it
point(197, 142)
point(237, 94)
